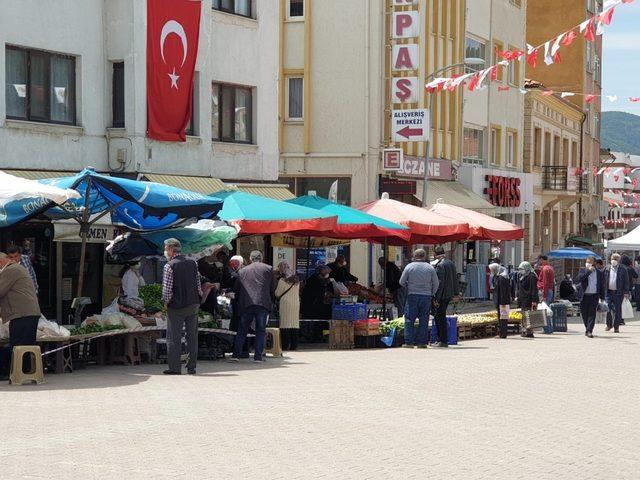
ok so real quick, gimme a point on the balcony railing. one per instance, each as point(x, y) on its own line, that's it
point(554, 178)
point(583, 185)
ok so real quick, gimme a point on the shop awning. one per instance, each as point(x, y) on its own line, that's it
point(38, 174)
point(454, 193)
point(203, 185)
point(583, 241)
point(274, 191)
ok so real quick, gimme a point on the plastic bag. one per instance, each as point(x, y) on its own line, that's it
point(4, 330)
point(627, 310)
point(112, 308)
point(603, 307)
point(48, 328)
point(504, 312)
point(543, 306)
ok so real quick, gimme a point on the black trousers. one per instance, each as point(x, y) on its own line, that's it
point(503, 327)
point(22, 331)
point(589, 310)
point(289, 338)
point(440, 317)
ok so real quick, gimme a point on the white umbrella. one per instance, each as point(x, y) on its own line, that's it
point(15, 188)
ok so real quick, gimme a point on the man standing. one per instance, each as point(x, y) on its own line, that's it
point(392, 280)
point(421, 281)
point(616, 280)
point(592, 282)
point(448, 288)
point(19, 306)
point(15, 254)
point(546, 280)
point(182, 293)
point(256, 287)
point(339, 271)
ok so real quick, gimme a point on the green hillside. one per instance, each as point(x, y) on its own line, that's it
point(621, 132)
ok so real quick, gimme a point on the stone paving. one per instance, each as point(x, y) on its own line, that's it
point(555, 407)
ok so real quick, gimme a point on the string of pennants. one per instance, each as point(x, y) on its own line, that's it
point(551, 54)
point(589, 98)
point(620, 223)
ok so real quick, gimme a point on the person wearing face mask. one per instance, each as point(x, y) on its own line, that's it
point(616, 279)
point(131, 280)
point(528, 296)
point(546, 280)
point(501, 294)
point(339, 271)
point(593, 285)
point(317, 295)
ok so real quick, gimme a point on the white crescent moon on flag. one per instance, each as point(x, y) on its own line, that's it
point(174, 27)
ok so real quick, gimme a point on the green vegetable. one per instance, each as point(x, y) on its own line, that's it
point(95, 329)
point(152, 296)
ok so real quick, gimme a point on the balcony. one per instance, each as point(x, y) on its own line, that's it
point(555, 178)
point(583, 185)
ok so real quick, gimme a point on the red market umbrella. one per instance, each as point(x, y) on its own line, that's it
point(481, 226)
point(426, 227)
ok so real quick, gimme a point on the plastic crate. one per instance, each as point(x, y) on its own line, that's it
point(559, 317)
point(349, 311)
point(452, 331)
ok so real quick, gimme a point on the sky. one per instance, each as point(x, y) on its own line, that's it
point(621, 59)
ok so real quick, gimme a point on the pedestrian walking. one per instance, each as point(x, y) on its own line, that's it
point(181, 293)
point(288, 298)
point(19, 307)
point(528, 297)
point(626, 262)
point(421, 281)
point(616, 279)
point(255, 287)
point(16, 254)
point(501, 295)
point(546, 280)
point(636, 287)
point(447, 289)
point(592, 282)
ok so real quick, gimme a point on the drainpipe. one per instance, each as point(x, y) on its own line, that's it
point(584, 119)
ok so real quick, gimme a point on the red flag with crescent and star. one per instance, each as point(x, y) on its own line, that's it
point(173, 32)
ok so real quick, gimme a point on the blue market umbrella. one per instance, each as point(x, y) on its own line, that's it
point(136, 205)
point(572, 253)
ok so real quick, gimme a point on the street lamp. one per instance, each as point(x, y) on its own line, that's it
point(468, 62)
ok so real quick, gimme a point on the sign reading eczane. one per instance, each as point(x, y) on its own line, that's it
point(410, 125)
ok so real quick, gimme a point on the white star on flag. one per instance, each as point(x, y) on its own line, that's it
point(174, 78)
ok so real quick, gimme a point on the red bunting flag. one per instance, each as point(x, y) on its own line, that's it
point(557, 58)
point(494, 73)
point(173, 32)
point(590, 30)
point(607, 16)
point(547, 93)
point(634, 99)
point(589, 98)
point(532, 58)
point(474, 82)
point(569, 37)
point(504, 88)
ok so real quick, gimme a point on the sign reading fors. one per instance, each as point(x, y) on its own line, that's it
point(503, 191)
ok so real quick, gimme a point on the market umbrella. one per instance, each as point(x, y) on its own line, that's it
point(198, 240)
point(426, 227)
point(572, 253)
point(139, 206)
point(21, 199)
point(352, 223)
point(481, 226)
point(256, 215)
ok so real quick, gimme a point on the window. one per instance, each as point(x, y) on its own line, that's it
point(118, 95)
point(237, 7)
point(296, 8)
point(193, 121)
point(497, 48)
point(473, 146)
point(574, 153)
point(475, 49)
point(596, 69)
point(589, 56)
point(547, 149)
point(513, 72)
point(40, 86)
point(295, 98)
point(512, 149)
point(596, 126)
point(231, 113)
point(566, 161)
point(496, 146)
point(556, 150)
point(537, 147)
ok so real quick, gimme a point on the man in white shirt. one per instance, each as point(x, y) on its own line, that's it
point(616, 279)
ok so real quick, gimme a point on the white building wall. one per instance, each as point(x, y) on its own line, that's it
point(232, 49)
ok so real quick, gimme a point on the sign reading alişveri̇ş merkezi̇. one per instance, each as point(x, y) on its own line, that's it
point(407, 125)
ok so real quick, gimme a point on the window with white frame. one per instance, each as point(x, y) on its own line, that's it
point(475, 49)
point(473, 146)
point(231, 113)
point(589, 56)
point(295, 96)
point(596, 68)
point(496, 144)
point(237, 7)
point(295, 9)
point(596, 126)
point(512, 142)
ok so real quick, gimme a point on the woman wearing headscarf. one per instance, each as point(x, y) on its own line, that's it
point(501, 294)
point(288, 298)
point(527, 292)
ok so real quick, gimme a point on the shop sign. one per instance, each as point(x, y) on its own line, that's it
point(392, 159)
point(406, 24)
point(397, 187)
point(405, 57)
point(503, 191)
point(405, 89)
point(410, 125)
point(438, 169)
point(67, 232)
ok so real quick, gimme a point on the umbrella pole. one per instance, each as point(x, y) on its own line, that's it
point(385, 254)
point(308, 256)
point(84, 225)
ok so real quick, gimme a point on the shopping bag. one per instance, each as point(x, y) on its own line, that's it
point(627, 309)
point(534, 319)
point(504, 312)
point(544, 307)
point(603, 307)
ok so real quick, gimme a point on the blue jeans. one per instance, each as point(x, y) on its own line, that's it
point(261, 316)
point(614, 317)
point(636, 292)
point(549, 296)
point(418, 306)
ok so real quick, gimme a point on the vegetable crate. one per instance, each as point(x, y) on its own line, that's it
point(349, 311)
point(465, 332)
point(366, 328)
point(452, 331)
point(341, 334)
point(559, 317)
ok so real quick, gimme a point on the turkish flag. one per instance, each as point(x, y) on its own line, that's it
point(173, 31)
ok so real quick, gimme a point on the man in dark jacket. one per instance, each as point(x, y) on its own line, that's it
point(255, 287)
point(593, 285)
point(392, 278)
point(447, 289)
point(339, 271)
point(501, 294)
point(182, 294)
point(616, 280)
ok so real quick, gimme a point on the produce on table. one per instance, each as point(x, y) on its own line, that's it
point(398, 324)
point(152, 296)
point(94, 328)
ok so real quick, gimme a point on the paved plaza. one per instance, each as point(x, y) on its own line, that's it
point(556, 407)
